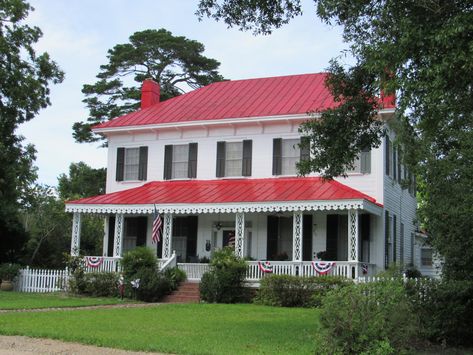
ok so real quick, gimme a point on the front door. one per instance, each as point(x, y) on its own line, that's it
point(228, 238)
point(180, 246)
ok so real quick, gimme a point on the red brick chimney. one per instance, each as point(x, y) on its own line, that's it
point(149, 93)
point(388, 101)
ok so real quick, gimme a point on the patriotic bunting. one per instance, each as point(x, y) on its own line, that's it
point(323, 267)
point(94, 261)
point(265, 266)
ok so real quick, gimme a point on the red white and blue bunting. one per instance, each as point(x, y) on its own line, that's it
point(265, 266)
point(323, 267)
point(93, 261)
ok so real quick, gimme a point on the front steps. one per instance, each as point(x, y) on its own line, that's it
point(188, 292)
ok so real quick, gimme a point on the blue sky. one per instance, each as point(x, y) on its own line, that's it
point(77, 34)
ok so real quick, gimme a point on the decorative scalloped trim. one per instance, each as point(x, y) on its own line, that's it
point(228, 208)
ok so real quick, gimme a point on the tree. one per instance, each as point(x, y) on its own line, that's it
point(25, 77)
point(423, 51)
point(83, 181)
point(173, 61)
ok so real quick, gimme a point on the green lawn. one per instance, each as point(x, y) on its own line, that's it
point(21, 300)
point(180, 329)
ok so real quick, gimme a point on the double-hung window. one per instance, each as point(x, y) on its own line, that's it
point(362, 163)
point(234, 158)
point(132, 164)
point(180, 161)
point(287, 153)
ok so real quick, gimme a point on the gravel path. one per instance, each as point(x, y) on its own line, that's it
point(19, 345)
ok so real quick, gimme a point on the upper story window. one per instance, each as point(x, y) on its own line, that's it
point(132, 164)
point(234, 158)
point(362, 163)
point(287, 153)
point(180, 161)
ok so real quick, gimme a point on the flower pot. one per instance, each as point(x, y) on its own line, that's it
point(6, 285)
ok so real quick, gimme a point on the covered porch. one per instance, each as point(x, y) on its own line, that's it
point(333, 224)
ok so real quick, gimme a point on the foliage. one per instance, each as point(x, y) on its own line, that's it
point(368, 318)
point(153, 286)
point(26, 300)
point(446, 310)
point(224, 282)
point(25, 77)
point(83, 181)
point(295, 291)
point(175, 276)
point(176, 328)
point(170, 60)
point(101, 284)
point(136, 259)
point(9, 271)
point(421, 51)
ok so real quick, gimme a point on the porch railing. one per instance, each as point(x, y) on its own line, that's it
point(103, 264)
point(194, 271)
point(169, 263)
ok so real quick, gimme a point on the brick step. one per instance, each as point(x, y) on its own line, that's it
point(187, 292)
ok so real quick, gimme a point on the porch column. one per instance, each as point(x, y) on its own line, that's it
point(297, 236)
point(353, 235)
point(167, 236)
point(75, 238)
point(105, 236)
point(118, 242)
point(240, 234)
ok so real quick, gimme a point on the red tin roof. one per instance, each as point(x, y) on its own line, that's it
point(230, 191)
point(283, 95)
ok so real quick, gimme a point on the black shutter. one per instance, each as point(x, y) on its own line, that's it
point(394, 163)
point(272, 240)
point(246, 163)
point(167, 162)
point(305, 148)
point(220, 159)
point(111, 235)
point(277, 156)
point(365, 161)
point(386, 239)
point(143, 167)
point(192, 163)
point(307, 237)
point(387, 155)
point(120, 163)
point(399, 154)
point(394, 238)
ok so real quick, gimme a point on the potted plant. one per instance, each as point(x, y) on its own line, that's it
point(8, 272)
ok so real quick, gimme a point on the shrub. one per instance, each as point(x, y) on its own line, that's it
point(175, 276)
point(374, 318)
point(224, 282)
point(101, 284)
point(153, 286)
point(9, 271)
point(294, 291)
point(445, 309)
point(137, 259)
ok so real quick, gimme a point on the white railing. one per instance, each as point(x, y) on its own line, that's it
point(254, 273)
point(346, 269)
point(105, 264)
point(41, 280)
point(194, 271)
point(169, 263)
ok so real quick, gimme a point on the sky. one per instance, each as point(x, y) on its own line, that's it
point(78, 33)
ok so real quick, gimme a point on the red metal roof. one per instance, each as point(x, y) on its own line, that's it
point(283, 95)
point(230, 191)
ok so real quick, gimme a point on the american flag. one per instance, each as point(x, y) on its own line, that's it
point(157, 224)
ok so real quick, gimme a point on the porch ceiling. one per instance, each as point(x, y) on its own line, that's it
point(230, 195)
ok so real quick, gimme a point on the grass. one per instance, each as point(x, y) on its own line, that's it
point(179, 329)
point(21, 300)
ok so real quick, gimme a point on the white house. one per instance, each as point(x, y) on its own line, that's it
point(219, 164)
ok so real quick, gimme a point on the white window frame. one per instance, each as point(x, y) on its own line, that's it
point(134, 174)
point(237, 160)
point(296, 155)
point(176, 162)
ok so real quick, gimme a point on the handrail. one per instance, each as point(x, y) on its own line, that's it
point(170, 263)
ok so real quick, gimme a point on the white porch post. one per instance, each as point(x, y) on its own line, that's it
point(240, 234)
point(167, 236)
point(105, 236)
point(297, 237)
point(353, 240)
point(118, 241)
point(75, 238)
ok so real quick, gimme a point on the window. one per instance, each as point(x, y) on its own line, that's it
point(362, 163)
point(401, 244)
point(132, 164)
point(387, 241)
point(394, 241)
point(180, 161)
point(287, 153)
point(426, 257)
point(234, 158)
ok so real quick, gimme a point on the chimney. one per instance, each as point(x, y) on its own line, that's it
point(149, 93)
point(388, 100)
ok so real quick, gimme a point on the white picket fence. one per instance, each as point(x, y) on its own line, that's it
point(41, 280)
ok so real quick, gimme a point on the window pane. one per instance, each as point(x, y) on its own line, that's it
point(233, 158)
point(132, 162)
point(290, 156)
point(180, 157)
point(426, 257)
